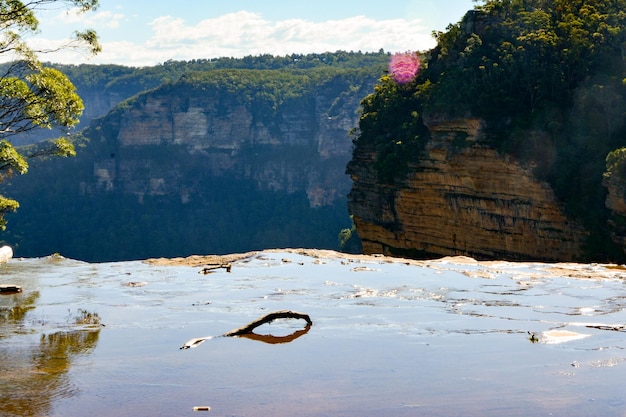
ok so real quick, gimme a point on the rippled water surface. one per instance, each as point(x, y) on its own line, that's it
point(450, 337)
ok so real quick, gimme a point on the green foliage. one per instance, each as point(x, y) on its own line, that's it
point(221, 213)
point(264, 92)
point(391, 122)
point(32, 95)
point(616, 164)
point(63, 148)
point(547, 77)
point(514, 56)
point(34, 99)
point(7, 205)
point(225, 215)
point(129, 81)
point(12, 160)
point(338, 59)
point(349, 241)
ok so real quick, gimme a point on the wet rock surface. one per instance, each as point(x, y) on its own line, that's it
point(449, 336)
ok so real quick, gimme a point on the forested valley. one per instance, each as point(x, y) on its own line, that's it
point(208, 156)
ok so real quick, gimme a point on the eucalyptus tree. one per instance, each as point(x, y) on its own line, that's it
point(32, 95)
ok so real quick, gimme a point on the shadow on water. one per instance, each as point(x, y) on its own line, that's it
point(273, 339)
point(34, 372)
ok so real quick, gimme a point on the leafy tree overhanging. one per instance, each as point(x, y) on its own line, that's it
point(33, 96)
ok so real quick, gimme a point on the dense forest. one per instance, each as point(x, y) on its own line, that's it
point(113, 84)
point(240, 206)
point(547, 77)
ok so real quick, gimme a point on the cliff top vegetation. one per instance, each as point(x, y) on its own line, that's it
point(125, 80)
point(547, 77)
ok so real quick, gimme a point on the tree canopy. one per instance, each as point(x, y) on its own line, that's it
point(215, 198)
point(33, 95)
point(547, 76)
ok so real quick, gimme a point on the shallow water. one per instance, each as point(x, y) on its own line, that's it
point(439, 338)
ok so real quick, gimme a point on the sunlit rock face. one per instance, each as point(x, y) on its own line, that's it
point(303, 146)
point(461, 199)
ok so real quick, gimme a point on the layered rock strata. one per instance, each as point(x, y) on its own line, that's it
point(460, 200)
point(303, 147)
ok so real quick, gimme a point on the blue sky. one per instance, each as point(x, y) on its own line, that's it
point(148, 32)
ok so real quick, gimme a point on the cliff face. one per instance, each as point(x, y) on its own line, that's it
point(460, 200)
point(200, 166)
point(302, 145)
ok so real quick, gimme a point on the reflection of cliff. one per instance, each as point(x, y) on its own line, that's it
point(32, 377)
point(461, 200)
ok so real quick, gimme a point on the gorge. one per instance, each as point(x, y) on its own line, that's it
point(219, 160)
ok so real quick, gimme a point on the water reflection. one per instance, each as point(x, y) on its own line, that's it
point(34, 373)
point(13, 309)
point(35, 376)
point(247, 331)
point(272, 339)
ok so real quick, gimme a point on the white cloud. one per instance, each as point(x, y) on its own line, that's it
point(103, 19)
point(240, 34)
point(244, 33)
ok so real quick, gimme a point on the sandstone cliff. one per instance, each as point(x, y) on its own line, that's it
point(217, 162)
point(460, 200)
point(301, 145)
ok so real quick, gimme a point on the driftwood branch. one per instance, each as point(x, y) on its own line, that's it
point(282, 314)
point(247, 330)
point(210, 268)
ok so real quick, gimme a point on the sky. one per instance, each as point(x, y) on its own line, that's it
point(149, 32)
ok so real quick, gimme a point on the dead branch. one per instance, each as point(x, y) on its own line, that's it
point(209, 268)
point(282, 314)
point(247, 330)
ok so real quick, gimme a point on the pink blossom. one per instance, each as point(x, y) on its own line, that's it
point(404, 66)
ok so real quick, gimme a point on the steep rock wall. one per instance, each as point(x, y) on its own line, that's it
point(616, 202)
point(304, 145)
point(460, 200)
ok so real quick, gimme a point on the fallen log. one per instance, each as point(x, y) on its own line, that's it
point(247, 330)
